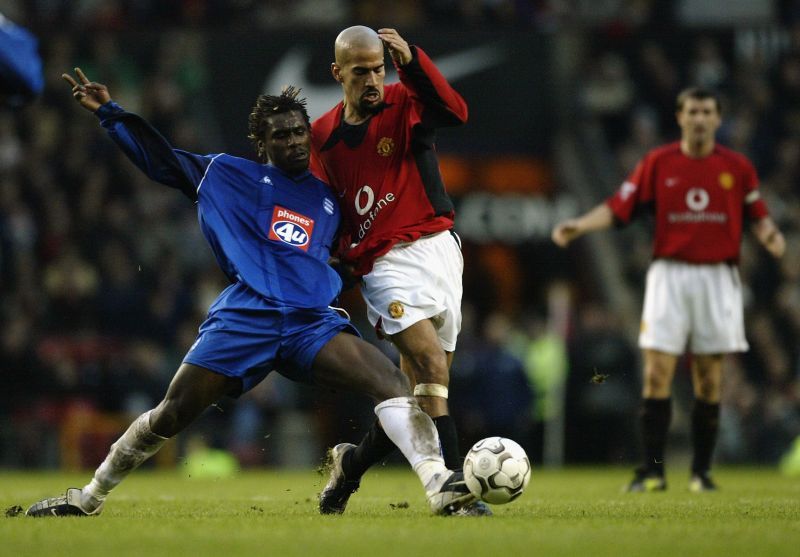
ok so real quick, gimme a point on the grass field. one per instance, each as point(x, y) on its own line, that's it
point(571, 512)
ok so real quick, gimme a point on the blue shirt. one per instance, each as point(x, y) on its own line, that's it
point(269, 230)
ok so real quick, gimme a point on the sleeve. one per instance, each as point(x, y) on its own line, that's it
point(151, 152)
point(754, 205)
point(21, 77)
point(634, 193)
point(317, 167)
point(436, 103)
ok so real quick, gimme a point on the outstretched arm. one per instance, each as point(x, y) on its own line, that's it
point(442, 105)
point(142, 144)
point(598, 218)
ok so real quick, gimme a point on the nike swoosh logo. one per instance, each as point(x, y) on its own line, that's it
point(292, 69)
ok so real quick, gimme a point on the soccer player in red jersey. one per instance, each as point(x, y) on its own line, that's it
point(698, 192)
point(376, 148)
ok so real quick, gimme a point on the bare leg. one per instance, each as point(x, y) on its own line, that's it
point(191, 391)
point(425, 363)
point(351, 363)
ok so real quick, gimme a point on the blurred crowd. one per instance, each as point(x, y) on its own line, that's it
point(138, 14)
point(549, 15)
point(104, 276)
point(629, 91)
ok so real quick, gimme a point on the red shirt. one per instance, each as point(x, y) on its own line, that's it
point(385, 170)
point(699, 204)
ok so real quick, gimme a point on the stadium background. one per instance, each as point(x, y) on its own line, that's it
point(105, 276)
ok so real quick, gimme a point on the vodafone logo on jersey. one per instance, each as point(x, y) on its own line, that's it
point(291, 228)
point(365, 197)
point(365, 204)
point(697, 199)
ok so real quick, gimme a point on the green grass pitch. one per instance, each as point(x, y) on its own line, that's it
point(580, 512)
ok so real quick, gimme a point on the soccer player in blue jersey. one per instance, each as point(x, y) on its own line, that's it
point(271, 225)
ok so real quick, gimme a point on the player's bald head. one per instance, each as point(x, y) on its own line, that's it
point(354, 39)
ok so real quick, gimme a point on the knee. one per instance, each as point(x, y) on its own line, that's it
point(657, 381)
point(707, 390)
point(429, 367)
point(395, 384)
point(166, 418)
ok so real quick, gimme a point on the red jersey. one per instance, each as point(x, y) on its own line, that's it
point(699, 204)
point(385, 169)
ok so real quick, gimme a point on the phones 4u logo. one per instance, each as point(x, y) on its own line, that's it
point(291, 228)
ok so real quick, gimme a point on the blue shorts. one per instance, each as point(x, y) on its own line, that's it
point(248, 336)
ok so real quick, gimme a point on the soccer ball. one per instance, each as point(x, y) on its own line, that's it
point(497, 470)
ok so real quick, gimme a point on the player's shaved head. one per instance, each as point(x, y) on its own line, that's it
point(361, 69)
point(356, 38)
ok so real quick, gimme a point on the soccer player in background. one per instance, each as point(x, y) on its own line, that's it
point(271, 225)
point(376, 148)
point(698, 193)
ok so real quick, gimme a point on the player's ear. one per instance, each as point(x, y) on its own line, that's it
point(336, 71)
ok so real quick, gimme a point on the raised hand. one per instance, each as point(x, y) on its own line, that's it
point(91, 95)
point(398, 47)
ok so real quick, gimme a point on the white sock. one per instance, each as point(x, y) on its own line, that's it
point(413, 432)
point(135, 446)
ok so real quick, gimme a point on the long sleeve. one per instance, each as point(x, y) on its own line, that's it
point(441, 105)
point(151, 152)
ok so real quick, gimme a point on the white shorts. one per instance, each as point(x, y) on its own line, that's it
point(698, 303)
point(415, 281)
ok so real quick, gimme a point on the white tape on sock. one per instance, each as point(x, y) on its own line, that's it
point(430, 389)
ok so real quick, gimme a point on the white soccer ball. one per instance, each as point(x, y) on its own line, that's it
point(497, 470)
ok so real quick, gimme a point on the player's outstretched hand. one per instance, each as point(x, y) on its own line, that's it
point(91, 95)
point(398, 47)
point(565, 232)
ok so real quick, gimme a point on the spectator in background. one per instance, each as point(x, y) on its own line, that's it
point(501, 393)
point(608, 94)
point(601, 389)
point(21, 78)
point(699, 193)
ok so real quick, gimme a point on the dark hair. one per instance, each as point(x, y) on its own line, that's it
point(697, 93)
point(269, 105)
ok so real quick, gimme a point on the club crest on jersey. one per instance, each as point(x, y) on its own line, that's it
point(726, 180)
point(385, 146)
point(396, 310)
point(291, 228)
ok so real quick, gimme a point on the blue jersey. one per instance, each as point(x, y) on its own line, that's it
point(269, 230)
